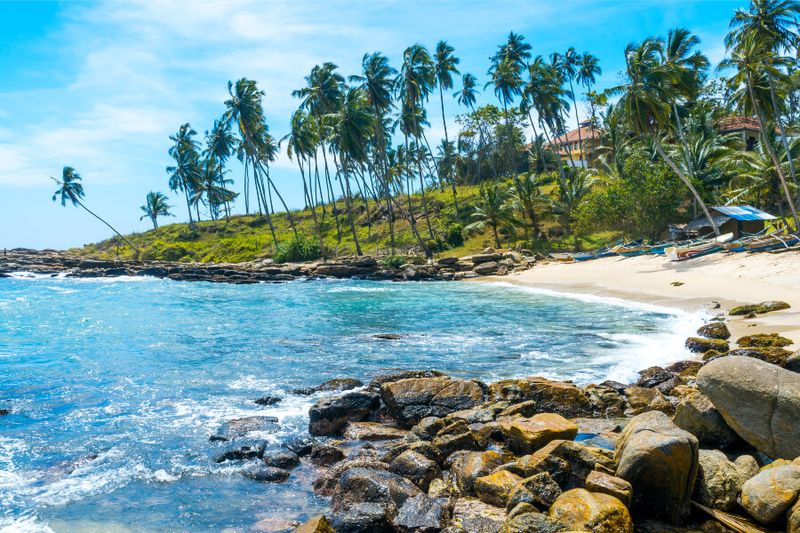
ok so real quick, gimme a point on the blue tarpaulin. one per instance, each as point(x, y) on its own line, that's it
point(743, 212)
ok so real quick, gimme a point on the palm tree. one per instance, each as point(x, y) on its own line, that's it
point(466, 97)
point(530, 199)
point(220, 145)
point(492, 208)
point(645, 104)
point(446, 65)
point(302, 143)
point(70, 189)
point(588, 70)
point(185, 175)
point(569, 65)
point(155, 205)
point(573, 186)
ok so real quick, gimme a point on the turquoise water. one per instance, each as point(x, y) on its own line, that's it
point(115, 385)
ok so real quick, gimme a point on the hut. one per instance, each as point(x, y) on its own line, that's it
point(741, 220)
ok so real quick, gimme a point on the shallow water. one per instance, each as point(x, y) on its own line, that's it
point(115, 385)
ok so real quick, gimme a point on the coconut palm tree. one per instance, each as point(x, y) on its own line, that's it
point(185, 175)
point(645, 104)
point(573, 186)
point(569, 65)
point(446, 65)
point(70, 190)
point(155, 205)
point(493, 208)
point(220, 145)
point(588, 70)
point(466, 97)
point(531, 200)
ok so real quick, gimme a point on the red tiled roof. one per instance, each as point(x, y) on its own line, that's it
point(587, 133)
point(736, 123)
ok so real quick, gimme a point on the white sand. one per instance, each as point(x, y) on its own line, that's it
point(730, 279)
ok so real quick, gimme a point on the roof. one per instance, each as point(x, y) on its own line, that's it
point(702, 222)
point(587, 132)
point(743, 212)
point(736, 123)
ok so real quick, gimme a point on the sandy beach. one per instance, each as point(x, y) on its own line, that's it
point(727, 279)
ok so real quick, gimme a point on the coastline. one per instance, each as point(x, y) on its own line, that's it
point(724, 279)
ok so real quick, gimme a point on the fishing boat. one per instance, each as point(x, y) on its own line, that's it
point(764, 243)
point(710, 246)
point(630, 249)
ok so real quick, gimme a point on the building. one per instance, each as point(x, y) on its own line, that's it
point(568, 146)
point(739, 220)
point(746, 128)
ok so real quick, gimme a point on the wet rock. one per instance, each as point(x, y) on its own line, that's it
point(421, 513)
point(325, 454)
point(475, 516)
point(759, 401)
point(764, 340)
point(611, 485)
point(317, 524)
point(4, 412)
point(370, 431)
point(558, 397)
point(714, 330)
point(653, 376)
point(526, 435)
point(366, 485)
point(581, 510)
point(527, 522)
point(455, 436)
point(660, 461)
point(281, 459)
point(239, 427)
point(718, 481)
point(793, 362)
point(539, 490)
point(267, 400)
point(416, 467)
point(468, 466)
point(606, 401)
point(325, 483)
point(266, 474)
point(776, 356)
point(330, 415)
point(301, 446)
point(568, 462)
point(240, 451)
point(332, 385)
point(387, 336)
point(428, 427)
point(410, 400)
point(495, 488)
point(362, 518)
point(771, 493)
point(696, 414)
point(701, 345)
point(421, 447)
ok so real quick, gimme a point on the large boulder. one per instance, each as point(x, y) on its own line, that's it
point(421, 513)
point(416, 467)
point(526, 435)
point(718, 481)
point(411, 400)
point(581, 510)
point(568, 462)
point(696, 414)
point(714, 330)
point(758, 400)
point(467, 466)
point(495, 488)
point(660, 461)
point(330, 415)
point(475, 516)
point(771, 493)
point(550, 396)
point(370, 486)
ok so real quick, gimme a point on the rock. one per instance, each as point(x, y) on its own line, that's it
point(362, 518)
point(486, 269)
point(239, 427)
point(793, 519)
point(771, 493)
point(653, 376)
point(421, 513)
point(527, 522)
point(317, 524)
point(718, 481)
point(274, 525)
point(611, 485)
point(455, 436)
point(266, 474)
point(568, 462)
point(793, 362)
point(539, 490)
point(421, 447)
point(329, 415)
point(332, 385)
point(701, 345)
point(764, 340)
point(4, 412)
point(428, 427)
point(302, 446)
point(763, 307)
point(416, 467)
point(495, 488)
point(372, 431)
point(240, 451)
point(328, 480)
point(776, 356)
point(746, 466)
point(581, 510)
point(642, 400)
point(526, 435)
point(660, 461)
point(714, 330)
point(388, 377)
point(466, 467)
point(387, 336)
point(489, 257)
point(475, 516)
point(325, 455)
point(267, 400)
point(606, 401)
point(558, 397)
point(696, 414)
point(281, 459)
point(410, 400)
point(759, 401)
point(367, 485)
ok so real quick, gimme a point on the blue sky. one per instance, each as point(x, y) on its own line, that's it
point(101, 85)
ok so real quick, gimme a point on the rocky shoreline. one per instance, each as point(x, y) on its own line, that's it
point(423, 451)
point(54, 262)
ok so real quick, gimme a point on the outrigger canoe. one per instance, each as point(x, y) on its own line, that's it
point(682, 253)
point(764, 243)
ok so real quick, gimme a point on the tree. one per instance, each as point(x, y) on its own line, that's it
point(220, 145)
point(155, 205)
point(185, 175)
point(569, 65)
point(492, 208)
point(531, 200)
point(573, 186)
point(445, 66)
point(588, 70)
point(70, 189)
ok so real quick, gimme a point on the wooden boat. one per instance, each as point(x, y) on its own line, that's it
point(710, 246)
point(630, 249)
point(764, 243)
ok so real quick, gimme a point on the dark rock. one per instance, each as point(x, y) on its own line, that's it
point(240, 427)
point(4, 412)
point(455, 436)
point(539, 490)
point(332, 385)
point(685, 368)
point(764, 340)
point(558, 397)
point(266, 474)
point(653, 376)
point(490, 257)
point(606, 401)
point(301, 446)
point(281, 459)
point(475, 516)
point(267, 400)
point(410, 400)
point(387, 336)
point(325, 455)
point(328, 480)
point(714, 330)
point(362, 518)
point(428, 427)
point(701, 345)
point(366, 485)
point(416, 467)
point(530, 522)
point(421, 513)
point(242, 450)
point(486, 269)
point(763, 307)
point(330, 415)
point(421, 447)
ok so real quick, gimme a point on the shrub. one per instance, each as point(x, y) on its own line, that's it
point(394, 261)
point(298, 248)
point(453, 235)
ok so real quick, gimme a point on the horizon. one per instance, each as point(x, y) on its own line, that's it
point(101, 86)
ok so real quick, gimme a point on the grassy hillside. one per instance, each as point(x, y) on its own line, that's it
point(244, 238)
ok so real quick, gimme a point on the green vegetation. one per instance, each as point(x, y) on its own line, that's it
point(651, 152)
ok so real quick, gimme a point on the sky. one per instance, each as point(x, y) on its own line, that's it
point(100, 86)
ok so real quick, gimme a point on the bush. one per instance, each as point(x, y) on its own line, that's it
point(394, 261)
point(298, 248)
point(453, 235)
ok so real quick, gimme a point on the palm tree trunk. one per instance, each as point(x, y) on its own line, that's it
point(332, 196)
point(188, 205)
point(577, 121)
point(269, 217)
point(347, 201)
point(496, 235)
point(121, 236)
point(424, 198)
point(779, 120)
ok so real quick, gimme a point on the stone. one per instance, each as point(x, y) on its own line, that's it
point(606, 401)
point(328, 416)
point(388, 377)
point(530, 522)
point(771, 493)
point(526, 435)
point(660, 461)
point(702, 345)
point(611, 485)
point(410, 400)
point(539, 490)
point(362, 517)
point(367, 485)
point(568, 462)
point(467, 466)
point(416, 467)
point(421, 447)
point(746, 466)
point(759, 401)
point(581, 510)
point(764, 340)
point(792, 362)
point(474, 516)
point(455, 436)
point(240, 427)
point(281, 459)
point(421, 513)
point(387, 336)
point(696, 414)
point(685, 368)
point(495, 488)
point(642, 400)
point(718, 481)
point(317, 524)
point(565, 399)
point(302, 446)
point(267, 400)
point(428, 427)
point(370, 431)
point(485, 269)
point(328, 480)
point(653, 376)
point(714, 330)
point(325, 454)
point(240, 451)
point(774, 355)
point(763, 307)
point(266, 474)
point(487, 257)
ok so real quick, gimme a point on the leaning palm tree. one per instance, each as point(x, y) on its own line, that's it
point(155, 205)
point(185, 175)
point(569, 65)
point(493, 208)
point(446, 65)
point(70, 189)
point(588, 70)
